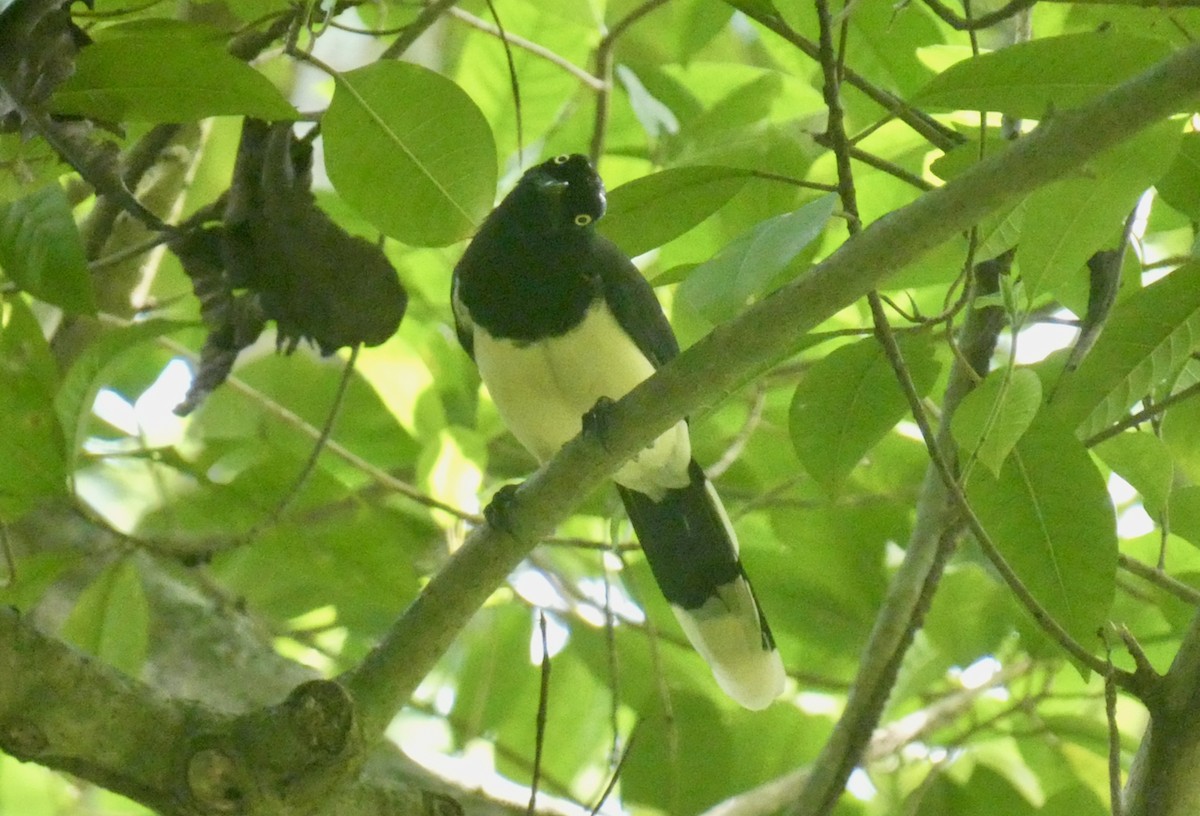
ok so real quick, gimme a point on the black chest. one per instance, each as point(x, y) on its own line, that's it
point(525, 290)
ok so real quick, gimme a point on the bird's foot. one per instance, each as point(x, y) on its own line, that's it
point(598, 420)
point(498, 513)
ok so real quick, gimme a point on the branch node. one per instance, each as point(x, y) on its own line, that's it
point(214, 781)
point(322, 715)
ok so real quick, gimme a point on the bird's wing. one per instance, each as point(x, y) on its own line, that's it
point(463, 326)
point(632, 302)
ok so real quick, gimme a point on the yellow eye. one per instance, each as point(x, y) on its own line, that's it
point(563, 159)
point(582, 220)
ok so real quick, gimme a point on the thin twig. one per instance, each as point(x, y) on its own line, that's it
point(1114, 735)
point(592, 82)
point(543, 704)
point(947, 15)
point(616, 772)
point(935, 132)
point(295, 421)
point(1141, 416)
point(738, 445)
point(318, 446)
point(416, 28)
point(513, 81)
point(1182, 591)
point(604, 66)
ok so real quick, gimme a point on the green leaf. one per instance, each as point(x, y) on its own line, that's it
point(1184, 513)
point(992, 418)
point(75, 396)
point(652, 210)
point(1031, 79)
point(147, 78)
point(1180, 186)
point(421, 172)
point(720, 287)
point(1143, 460)
point(40, 250)
point(849, 400)
point(34, 573)
point(32, 462)
point(111, 619)
point(1068, 221)
point(1049, 515)
point(1149, 335)
point(492, 670)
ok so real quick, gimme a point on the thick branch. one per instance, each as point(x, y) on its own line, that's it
point(736, 352)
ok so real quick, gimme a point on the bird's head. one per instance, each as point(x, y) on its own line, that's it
point(560, 196)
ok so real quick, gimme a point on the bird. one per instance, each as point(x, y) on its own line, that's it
point(558, 320)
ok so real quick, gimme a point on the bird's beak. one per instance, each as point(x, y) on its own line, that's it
point(551, 186)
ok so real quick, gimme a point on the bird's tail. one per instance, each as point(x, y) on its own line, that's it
point(693, 554)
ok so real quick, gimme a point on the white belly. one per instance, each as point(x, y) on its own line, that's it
point(543, 390)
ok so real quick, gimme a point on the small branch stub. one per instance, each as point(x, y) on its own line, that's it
point(213, 780)
point(322, 715)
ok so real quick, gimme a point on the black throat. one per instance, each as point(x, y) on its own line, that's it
point(525, 286)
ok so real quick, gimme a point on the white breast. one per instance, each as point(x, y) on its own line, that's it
point(543, 390)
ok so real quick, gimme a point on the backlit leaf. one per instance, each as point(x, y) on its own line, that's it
point(31, 445)
point(1049, 515)
point(990, 419)
point(40, 250)
point(1065, 223)
point(849, 400)
point(147, 78)
point(1031, 79)
point(649, 211)
point(422, 172)
point(1142, 459)
point(73, 401)
point(1149, 334)
point(111, 619)
point(720, 287)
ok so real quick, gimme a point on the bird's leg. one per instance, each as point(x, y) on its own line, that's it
point(598, 420)
point(498, 513)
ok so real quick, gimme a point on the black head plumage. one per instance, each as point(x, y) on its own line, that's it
point(561, 195)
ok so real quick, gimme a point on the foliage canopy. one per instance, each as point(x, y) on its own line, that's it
point(970, 501)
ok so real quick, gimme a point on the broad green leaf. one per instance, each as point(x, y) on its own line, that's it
point(1078, 800)
point(720, 287)
point(1049, 515)
point(492, 671)
point(1142, 459)
point(75, 396)
point(33, 574)
point(970, 615)
point(1184, 513)
point(655, 117)
point(1180, 185)
point(1031, 79)
point(1149, 334)
point(409, 150)
point(147, 78)
point(992, 418)
point(32, 462)
point(648, 212)
point(1065, 223)
point(111, 619)
point(26, 165)
point(40, 250)
point(849, 400)
point(573, 742)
